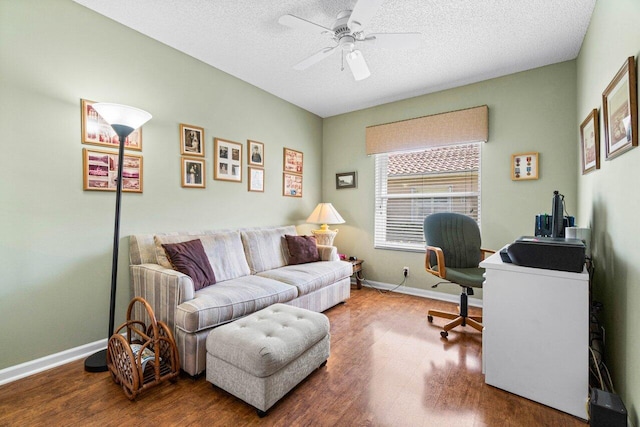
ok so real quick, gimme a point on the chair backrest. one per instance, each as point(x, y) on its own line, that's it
point(457, 235)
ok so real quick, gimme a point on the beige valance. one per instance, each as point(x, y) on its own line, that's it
point(454, 127)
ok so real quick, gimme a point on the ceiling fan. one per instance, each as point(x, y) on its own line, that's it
point(348, 31)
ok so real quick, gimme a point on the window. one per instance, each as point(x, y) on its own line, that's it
point(412, 185)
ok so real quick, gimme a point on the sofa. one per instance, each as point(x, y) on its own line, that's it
point(253, 269)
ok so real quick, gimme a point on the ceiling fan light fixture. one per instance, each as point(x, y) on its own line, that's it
point(358, 65)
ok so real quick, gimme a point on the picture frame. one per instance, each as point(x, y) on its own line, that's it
point(620, 111)
point(524, 166)
point(100, 170)
point(191, 140)
point(193, 172)
point(255, 153)
point(291, 185)
point(346, 180)
point(256, 179)
point(96, 131)
point(227, 160)
point(590, 142)
point(292, 161)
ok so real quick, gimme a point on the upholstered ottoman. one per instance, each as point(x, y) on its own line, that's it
point(261, 357)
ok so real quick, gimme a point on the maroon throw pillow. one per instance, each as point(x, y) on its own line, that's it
point(189, 258)
point(302, 249)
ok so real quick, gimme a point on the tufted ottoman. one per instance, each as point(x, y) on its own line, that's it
point(259, 358)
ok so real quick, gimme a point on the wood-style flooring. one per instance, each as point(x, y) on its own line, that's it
point(388, 367)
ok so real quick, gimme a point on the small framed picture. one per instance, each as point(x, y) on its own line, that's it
point(101, 171)
point(346, 180)
point(255, 153)
point(193, 173)
point(256, 179)
point(620, 111)
point(590, 142)
point(98, 132)
point(227, 160)
point(524, 166)
point(291, 185)
point(292, 161)
point(191, 140)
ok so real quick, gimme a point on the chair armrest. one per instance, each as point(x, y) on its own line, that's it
point(486, 252)
point(163, 288)
point(441, 271)
point(328, 253)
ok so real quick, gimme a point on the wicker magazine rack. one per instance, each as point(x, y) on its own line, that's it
point(140, 356)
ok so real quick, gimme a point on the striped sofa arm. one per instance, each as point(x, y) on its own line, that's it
point(163, 288)
point(328, 253)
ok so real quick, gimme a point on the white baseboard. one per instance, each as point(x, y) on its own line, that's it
point(32, 367)
point(424, 293)
point(26, 369)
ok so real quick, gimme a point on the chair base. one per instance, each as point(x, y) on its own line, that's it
point(474, 321)
point(457, 319)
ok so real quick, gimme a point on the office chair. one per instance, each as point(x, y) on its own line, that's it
point(453, 254)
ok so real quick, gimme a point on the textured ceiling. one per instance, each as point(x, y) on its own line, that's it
point(462, 42)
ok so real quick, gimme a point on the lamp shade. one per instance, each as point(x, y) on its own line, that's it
point(325, 213)
point(122, 115)
point(358, 65)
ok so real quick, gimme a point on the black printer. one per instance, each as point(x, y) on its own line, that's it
point(552, 253)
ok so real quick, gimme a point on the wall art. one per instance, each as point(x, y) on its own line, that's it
point(256, 179)
point(291, 185)
point(590, 142)
point(346, 180)
point(101, 170)
point(524, 166)
point(193, 173)
point(227, 160)
point(191, 140)
point(98, 132)
point(620, 111)
point(293, 161)
point(255, 153)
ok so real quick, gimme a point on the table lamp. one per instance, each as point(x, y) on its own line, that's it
point(124, 120)
point(325, 214)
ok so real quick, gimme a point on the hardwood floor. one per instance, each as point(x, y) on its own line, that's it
point(388, 367)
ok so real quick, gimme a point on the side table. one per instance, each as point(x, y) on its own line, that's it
point(357, 268)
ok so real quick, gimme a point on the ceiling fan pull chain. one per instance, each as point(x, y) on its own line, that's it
point(342, 57)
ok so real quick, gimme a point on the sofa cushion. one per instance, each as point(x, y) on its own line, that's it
point(189, 258)
point(312, 276)
point(265, 248)
point(224, 251)
point(302, 249)
point(230, 300)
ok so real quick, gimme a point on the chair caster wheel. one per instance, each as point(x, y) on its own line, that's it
point(444, 334)
point(430, 318)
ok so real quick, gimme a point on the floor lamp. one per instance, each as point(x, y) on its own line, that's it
point(124, 120)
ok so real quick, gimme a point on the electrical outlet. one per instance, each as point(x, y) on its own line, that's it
point(405, 271)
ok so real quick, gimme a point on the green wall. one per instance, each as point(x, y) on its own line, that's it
point(55, 245)
point(609, 198)
point(528, 111)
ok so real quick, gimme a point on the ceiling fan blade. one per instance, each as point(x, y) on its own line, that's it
point(358, 65)
point(362, 13)
point(303, 25)
point(316, 57)
point(394, 40)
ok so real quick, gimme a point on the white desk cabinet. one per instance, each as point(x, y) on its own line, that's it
point(536, 334)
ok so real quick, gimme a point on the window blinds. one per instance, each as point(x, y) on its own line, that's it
point(410, 186)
